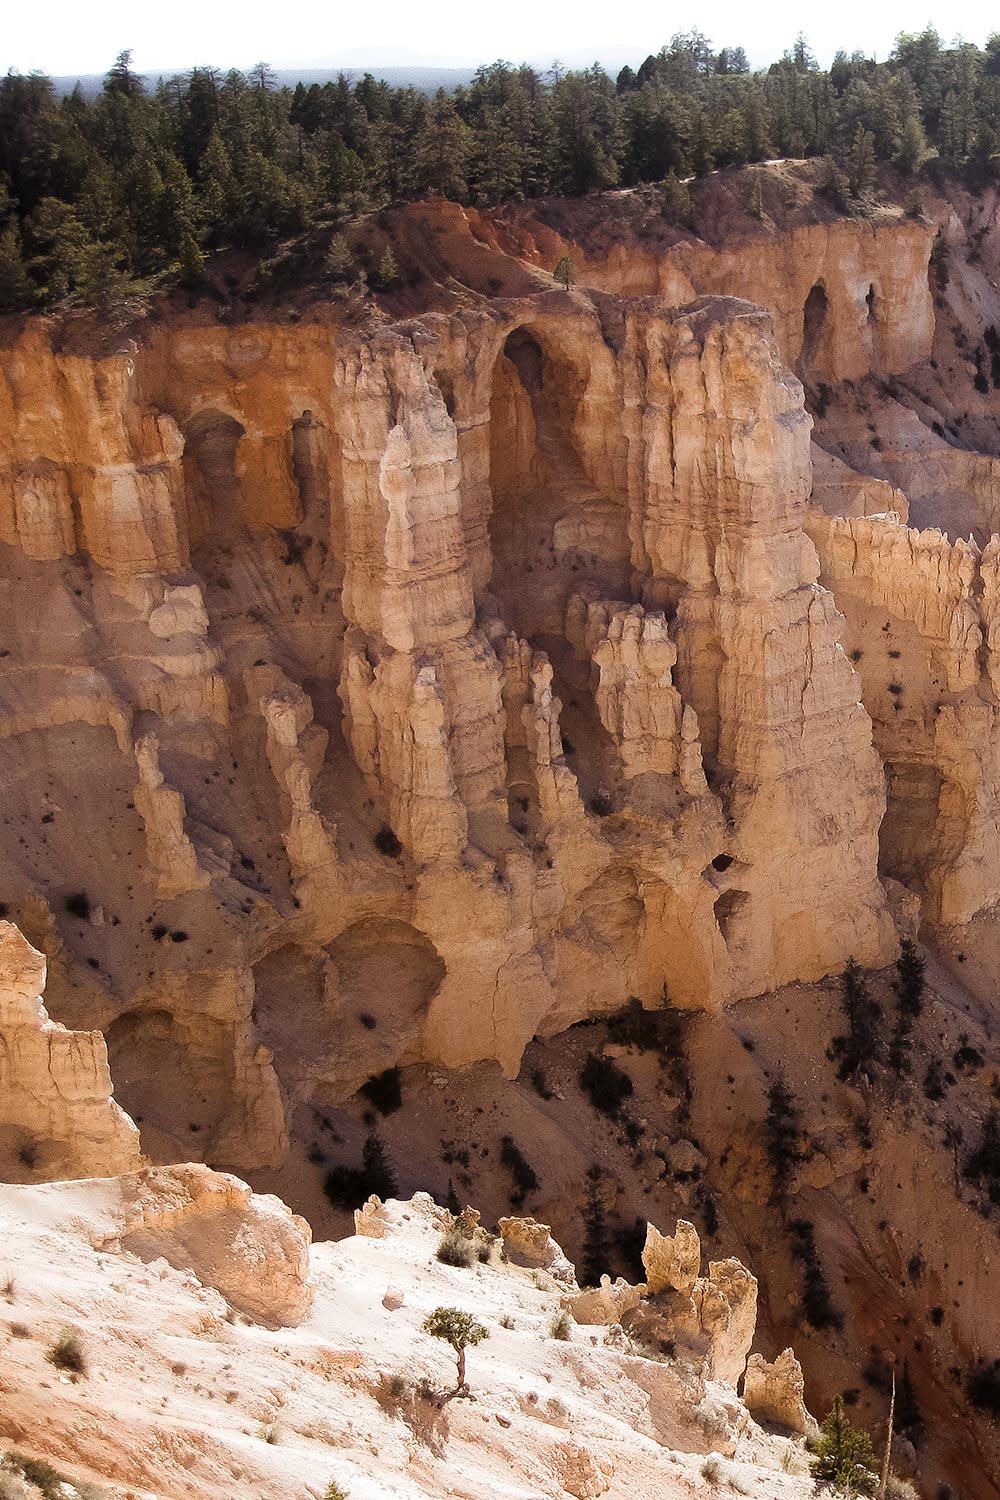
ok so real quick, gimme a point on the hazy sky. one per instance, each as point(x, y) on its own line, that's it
point(65, 36)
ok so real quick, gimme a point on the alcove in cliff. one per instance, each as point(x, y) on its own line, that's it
point(212, 486)
point(551, 528)
point(814, 319)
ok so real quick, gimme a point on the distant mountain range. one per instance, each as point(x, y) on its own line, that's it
point(396, 65)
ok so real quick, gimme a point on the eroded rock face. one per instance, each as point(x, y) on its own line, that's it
point(58, 1118)
point(528, 1243)
point(466, 676)
point(247, 1245)
point(776, 1392)
point(672, 1262)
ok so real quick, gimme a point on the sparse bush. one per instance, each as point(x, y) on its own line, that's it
point(78, 905)
point(561, 1326)
point(335, 1491)
point(385, 1091)
point(982, 1166)
point(713, 1470)
point(606, 1085)
point(983, 1388)
point(67, 1353)
point(456, 1249)
point(507, 1321)
point(909, 988)
point(540, 1084)
point(900, 1489)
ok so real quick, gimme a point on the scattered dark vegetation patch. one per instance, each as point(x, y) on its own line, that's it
point(606, 1085)
point(982, 1386)
point(387, 843)
point(525, 1179)
point(349, 1187)
point(384, 1091)
point(816, 1304)
point(78, 905)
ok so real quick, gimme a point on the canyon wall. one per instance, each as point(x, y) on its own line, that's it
point(398, 694)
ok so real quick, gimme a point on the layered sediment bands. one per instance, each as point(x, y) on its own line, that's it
point(480, 659)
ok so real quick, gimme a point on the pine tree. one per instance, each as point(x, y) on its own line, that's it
point(783, 1133)
point(15, 284)
point(191, 263)
point(380, 1177)
point(909, 988)
point(861, 164)
point(857, 1050)
point(844, 1456)
point(595, 1239)
point(912, 151)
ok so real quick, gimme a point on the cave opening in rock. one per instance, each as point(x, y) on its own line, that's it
point(870, 302)
point(446, 386)
point(174, 1078)
point(813, 322)
point(212, 484)
point(917, 833)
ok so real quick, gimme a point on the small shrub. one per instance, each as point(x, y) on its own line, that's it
point(78, 905)
point(507, 1321)
point(606, 1085)
point(67, 1353)
point(561, 1326)
point(335, 1491)
point(456, 1249)
point(9, 1289)
point(540, 1085)
point(713, 1470)
point(385, 1091)
point(48, 1482)
point(983, 1388)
